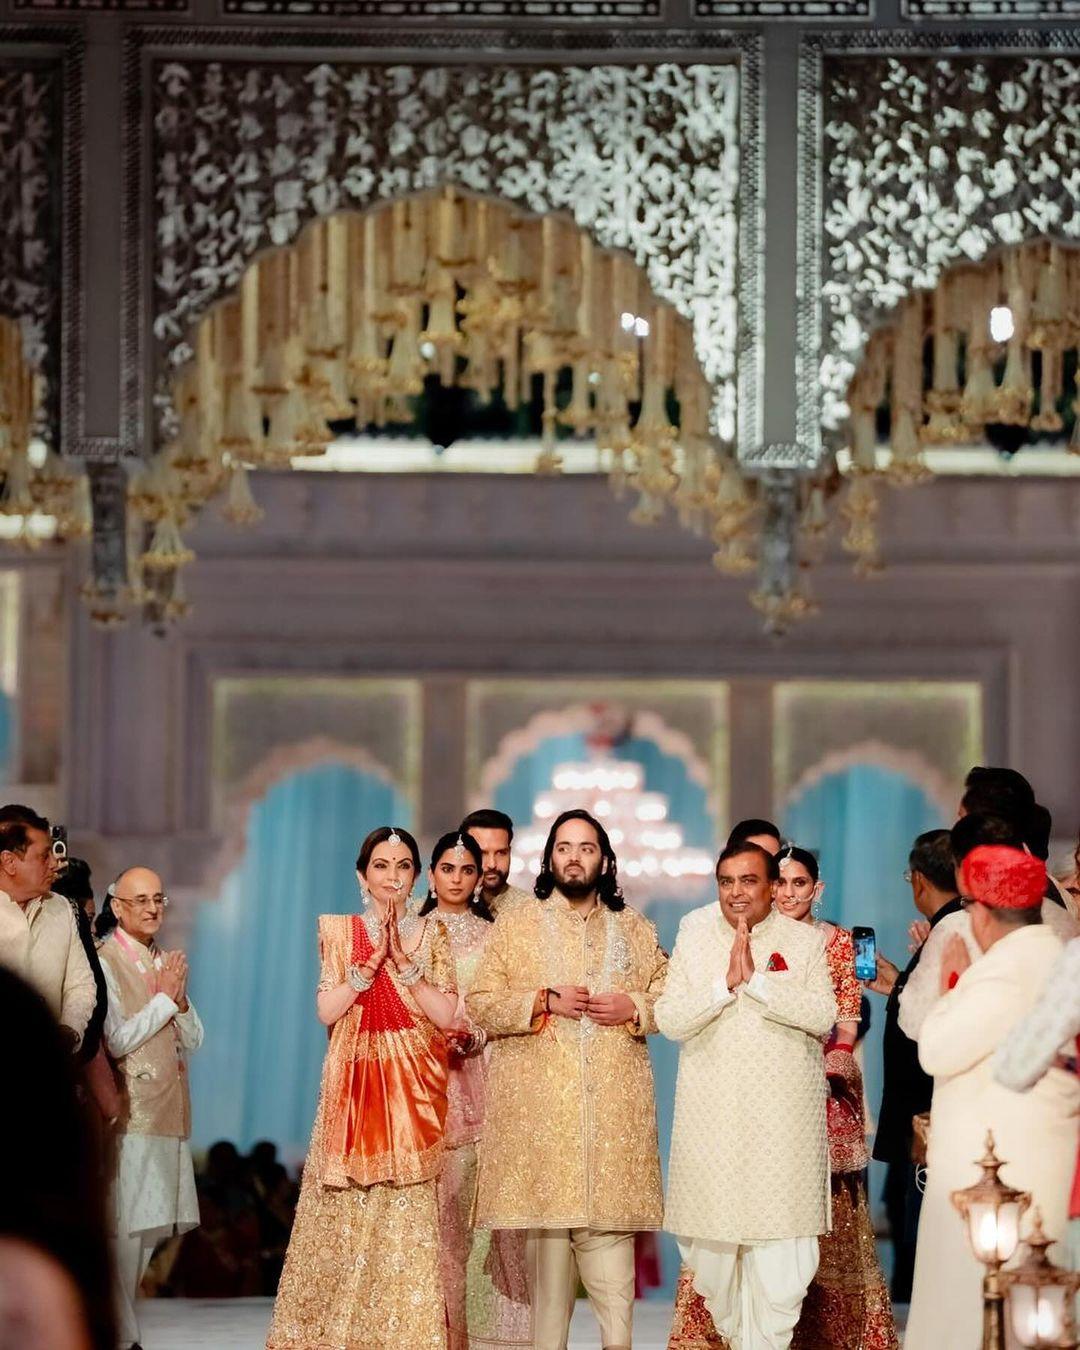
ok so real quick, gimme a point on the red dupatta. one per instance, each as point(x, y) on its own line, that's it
point(383, 1101)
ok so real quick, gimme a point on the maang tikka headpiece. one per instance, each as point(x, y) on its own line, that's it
point(459, 850)
point(393, 837)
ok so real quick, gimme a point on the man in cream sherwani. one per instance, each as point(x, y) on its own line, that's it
point(1035, 1132)
point(150, 1028)
point(750, 1000)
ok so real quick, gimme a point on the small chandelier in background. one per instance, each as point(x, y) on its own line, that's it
point(651, 849)
point(990, 357)
point(44, 497)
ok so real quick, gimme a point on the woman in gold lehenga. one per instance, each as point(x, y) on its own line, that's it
point(484, 1276)
point(847, 1306)
point(362, 1269)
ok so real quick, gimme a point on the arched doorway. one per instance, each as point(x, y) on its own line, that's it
point(254, 960)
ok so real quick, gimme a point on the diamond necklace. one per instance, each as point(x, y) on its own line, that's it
point(407, 925)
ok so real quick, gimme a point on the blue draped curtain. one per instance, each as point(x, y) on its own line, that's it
point(254, 958)
point(687, 806)
point(861, 823)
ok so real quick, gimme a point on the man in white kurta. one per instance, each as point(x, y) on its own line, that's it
point(923, 987)
point(39, 939)
point(150, 1027)
point(1049, 1037)
point(1035, 1132)
point(750, 1000)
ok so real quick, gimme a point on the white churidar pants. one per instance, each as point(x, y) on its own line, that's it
point(132, 1257)
point(754, 1292)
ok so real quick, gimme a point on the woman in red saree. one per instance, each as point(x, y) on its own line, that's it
point(362, 1268)
point(847, 1306)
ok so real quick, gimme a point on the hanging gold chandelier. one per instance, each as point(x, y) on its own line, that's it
point(346, 325)
point(43, 496)
point(995, 345)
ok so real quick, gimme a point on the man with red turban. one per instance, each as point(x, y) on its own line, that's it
point(1035, 1132)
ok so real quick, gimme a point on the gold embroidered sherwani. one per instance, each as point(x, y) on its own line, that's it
point(570, 1137)
point(507, 898)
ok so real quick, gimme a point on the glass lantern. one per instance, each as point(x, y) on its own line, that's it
point(992, 1213)
point(1041, 1297)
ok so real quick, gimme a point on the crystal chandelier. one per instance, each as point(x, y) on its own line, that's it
point(650, 847)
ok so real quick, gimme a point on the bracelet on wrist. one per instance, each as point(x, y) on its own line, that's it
point(360, 978)
point(410, 974)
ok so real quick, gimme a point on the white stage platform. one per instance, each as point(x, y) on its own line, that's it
point(240, 1324)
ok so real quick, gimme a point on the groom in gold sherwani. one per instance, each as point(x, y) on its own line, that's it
point(750, 1000)
point(566, 989)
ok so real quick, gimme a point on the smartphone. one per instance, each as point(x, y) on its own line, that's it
point(59, 843)
point(865, 944)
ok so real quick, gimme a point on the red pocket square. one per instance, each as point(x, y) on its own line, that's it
point(776, 962)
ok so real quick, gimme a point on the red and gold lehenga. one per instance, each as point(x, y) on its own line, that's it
point(362, 1269)
point(847, 1306)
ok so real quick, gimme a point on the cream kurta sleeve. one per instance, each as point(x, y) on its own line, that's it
point(808, 1004)
point(123, 1035)
point(1033, 1045)
point(923, 987)
point(968, 1023)
point(80, 989)
point(492, 1002)
point(694, 995)
point(190, 1027)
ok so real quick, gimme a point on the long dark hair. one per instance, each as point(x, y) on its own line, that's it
point(449, 843)
point(106, 920)
point(607, 883)
point(380, 836)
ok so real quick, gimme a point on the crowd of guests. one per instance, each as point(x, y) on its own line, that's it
point(485, 1138)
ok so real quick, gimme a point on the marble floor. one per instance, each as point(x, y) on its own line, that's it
point(240, 1324)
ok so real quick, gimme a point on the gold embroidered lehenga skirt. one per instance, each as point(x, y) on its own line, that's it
point(362, 1269)
point(484, 1273)
point(362, 1272)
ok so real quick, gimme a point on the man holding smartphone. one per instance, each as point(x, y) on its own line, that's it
point(907, 1089)
point(39, 939)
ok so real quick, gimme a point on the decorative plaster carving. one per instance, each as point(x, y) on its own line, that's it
point(794, 11)
point(82, 6)
point(581, 718)
point(108, 494)
point(40, 129)
point(658, 158)
point(907, 763)
point(573, 11)
point(919, 151)
point(284, 761)
point(981, 10)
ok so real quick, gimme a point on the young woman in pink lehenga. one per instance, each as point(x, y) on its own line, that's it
point(483, 1273)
